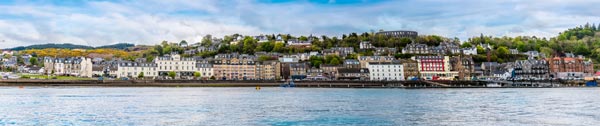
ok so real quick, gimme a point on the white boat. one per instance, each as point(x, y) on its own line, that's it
point(493, 85)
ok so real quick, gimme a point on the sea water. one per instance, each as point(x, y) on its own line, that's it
point(297, 106)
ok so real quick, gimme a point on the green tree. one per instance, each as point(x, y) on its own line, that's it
point(164, 43)
point(480, 50)
point(167, 49)
point(196, 75)
point(466, 45)
point(20, 60)
point(352, 56)
point(279, 47)
point(141, 75)
point(502, 52)
point(33, 61)
point(265, 46)
point(521, 46)
point(172, 74)
point(266, 58)
point(150, 58)
point(335, 61)
point(206, 40)
point(159, 50)
point(546, 51)
point(249, 45)
point(582, 49)
point(316, 61)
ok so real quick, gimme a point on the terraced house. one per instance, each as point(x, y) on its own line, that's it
point(183, 67)
point(364, 60)
point(569, 67)
point(75, 66)
point(386, 71)
point(268, 70)
point(205, 68)
point(410, 68)
point(435, 67)
point(137, 70)
point(234, 66)
point(531, 70)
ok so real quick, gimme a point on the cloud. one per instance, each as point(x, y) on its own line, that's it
point(98, 23)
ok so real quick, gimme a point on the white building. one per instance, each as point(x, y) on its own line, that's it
point(205, 68)
point(386, 71)
point(365, 45)
point(261, 38)
point(58, 67)
point(469, 51)
point(134, 69)
point(175, 63)
point(81, 66)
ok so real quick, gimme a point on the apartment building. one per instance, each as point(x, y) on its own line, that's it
point(435, 67)
point(183, 67)
point(386, 71)
point(74, 66)
point(234, 66)
point(268, 70)
point(205, 68)
point(410, 68)
point(134, 69)
point(364, 60)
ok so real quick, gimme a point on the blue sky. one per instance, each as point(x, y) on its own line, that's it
point(102, 22)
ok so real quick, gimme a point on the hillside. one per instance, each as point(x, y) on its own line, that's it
point(51, 45)
point(582, 40)
point(117, 46)
point(70, 46)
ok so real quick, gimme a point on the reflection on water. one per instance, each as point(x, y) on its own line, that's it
point(297, 106)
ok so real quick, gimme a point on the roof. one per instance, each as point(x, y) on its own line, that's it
point(350, 60)
point(394, 62)
point(97, 67)
point(490, 63)
point(35, 68)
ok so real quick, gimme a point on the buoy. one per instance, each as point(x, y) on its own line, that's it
point(257, 87)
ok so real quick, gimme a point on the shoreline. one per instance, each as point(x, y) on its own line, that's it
point(418, 84)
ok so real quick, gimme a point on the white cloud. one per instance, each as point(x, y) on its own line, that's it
point(149, 22)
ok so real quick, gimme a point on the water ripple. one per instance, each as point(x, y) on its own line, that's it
point(297, 106)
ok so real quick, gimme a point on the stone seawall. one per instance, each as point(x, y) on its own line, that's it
point(252, 83)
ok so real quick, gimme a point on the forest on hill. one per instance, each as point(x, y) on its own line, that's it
point(70, 46)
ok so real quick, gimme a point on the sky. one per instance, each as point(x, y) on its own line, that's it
point(103, 22)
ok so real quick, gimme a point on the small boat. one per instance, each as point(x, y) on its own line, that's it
point(591, 83)
point(288, 84)
point(493, 85)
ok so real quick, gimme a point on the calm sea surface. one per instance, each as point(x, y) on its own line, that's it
point(297, 106)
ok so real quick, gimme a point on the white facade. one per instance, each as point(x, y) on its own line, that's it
point(365, 45)
point(59, 68)
point(387, 71)
point(205, 70)
point(133, 69)
point(469, 51)
point(86, 67)
point(70, 66)
point(176, 63)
